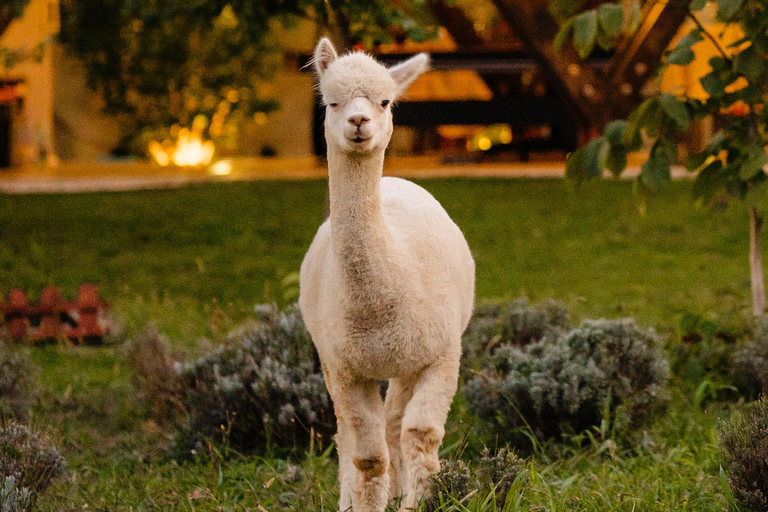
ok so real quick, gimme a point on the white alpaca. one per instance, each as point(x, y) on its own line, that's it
point(387, 289)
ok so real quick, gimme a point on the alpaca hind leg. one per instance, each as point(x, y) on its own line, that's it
point(424, 427)
point(364, 481)
point(399, 393)
point(347, 469)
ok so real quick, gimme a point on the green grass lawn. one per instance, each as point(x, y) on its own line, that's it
point(194, 261)
point(173, 256)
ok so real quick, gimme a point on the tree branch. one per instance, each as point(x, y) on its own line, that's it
point(709, 36)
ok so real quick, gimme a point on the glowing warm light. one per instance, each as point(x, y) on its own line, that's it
point(221, 168)
point(484, 143)
point(505, 135)
point(260, 118)
point(190, 149)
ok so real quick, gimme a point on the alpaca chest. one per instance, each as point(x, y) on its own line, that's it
point(388, 343)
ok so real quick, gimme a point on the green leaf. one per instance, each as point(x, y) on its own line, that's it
point(604, 41)
point(713, 85)
point(750, 64)
point(719, 64)
point(694, 162)
point(727, 8)
point(708, 182)
point(676, 110)
point(574, 166)
point(585, 32)
point(611, 18)
point(634, 17)
point(595, 155)
point(614, 132)
point(682, 54)
point(655, 171)
point(697, 5)
point(562, 34)
point(616, 160)
point(754, 164)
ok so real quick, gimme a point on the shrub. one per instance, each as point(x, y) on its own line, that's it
point(488, 474)
point(750, 364)
point(264, 385)
point(17, 374)
point(512, 323)
point(14, 498)
point(605, 369)
point(28, 458)
point(744, 454)
point(156, 377)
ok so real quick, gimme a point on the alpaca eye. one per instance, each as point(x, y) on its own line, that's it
point(385, 103)
point(334, 105)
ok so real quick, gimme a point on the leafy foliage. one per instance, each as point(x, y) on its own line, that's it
point(169, 62)
point(745, 456)
point(732, 162)
point(600, 26)
point(264, 387)
point(28, 457)
point(605, 370)
point(17, 374)
point(487, 475)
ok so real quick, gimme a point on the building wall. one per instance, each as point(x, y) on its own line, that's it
point(33, 121)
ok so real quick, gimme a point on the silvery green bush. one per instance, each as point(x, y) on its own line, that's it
point(17, 373)
point(14, 498)
point(265, 386)
point(515, 322)
point(744, 453)
point(571, 381)
point(750, 364)
point(29, 458)
point(490, 473)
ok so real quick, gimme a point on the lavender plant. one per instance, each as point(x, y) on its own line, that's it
point(750, 364)
point(744, 452)
point(14, 498)
point(490, 473)
point(604, 370)
point(516, 322)
point(29, 458)
point(17, 374)
point(265, 386)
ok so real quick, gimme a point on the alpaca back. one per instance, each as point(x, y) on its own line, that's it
point(433, 242)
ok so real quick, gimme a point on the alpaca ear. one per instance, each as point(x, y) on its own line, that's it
point(406, 72)
point(325, 54)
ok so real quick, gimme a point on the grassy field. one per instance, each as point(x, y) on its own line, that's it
point(194, 261)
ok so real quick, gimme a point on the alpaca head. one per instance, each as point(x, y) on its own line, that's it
point(358, 93)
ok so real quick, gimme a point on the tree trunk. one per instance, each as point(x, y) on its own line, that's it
point(756, 262)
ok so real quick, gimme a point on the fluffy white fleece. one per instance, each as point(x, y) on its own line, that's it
point(387, 289)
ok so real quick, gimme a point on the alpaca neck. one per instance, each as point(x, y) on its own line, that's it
point(360, 237)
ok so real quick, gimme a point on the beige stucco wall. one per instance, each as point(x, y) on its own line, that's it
point(33, 122)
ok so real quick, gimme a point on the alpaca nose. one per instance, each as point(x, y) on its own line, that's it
point(358, 119)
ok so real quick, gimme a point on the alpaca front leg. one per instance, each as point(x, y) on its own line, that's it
point(363, 454)
point(424, 427)
point(399, 394)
